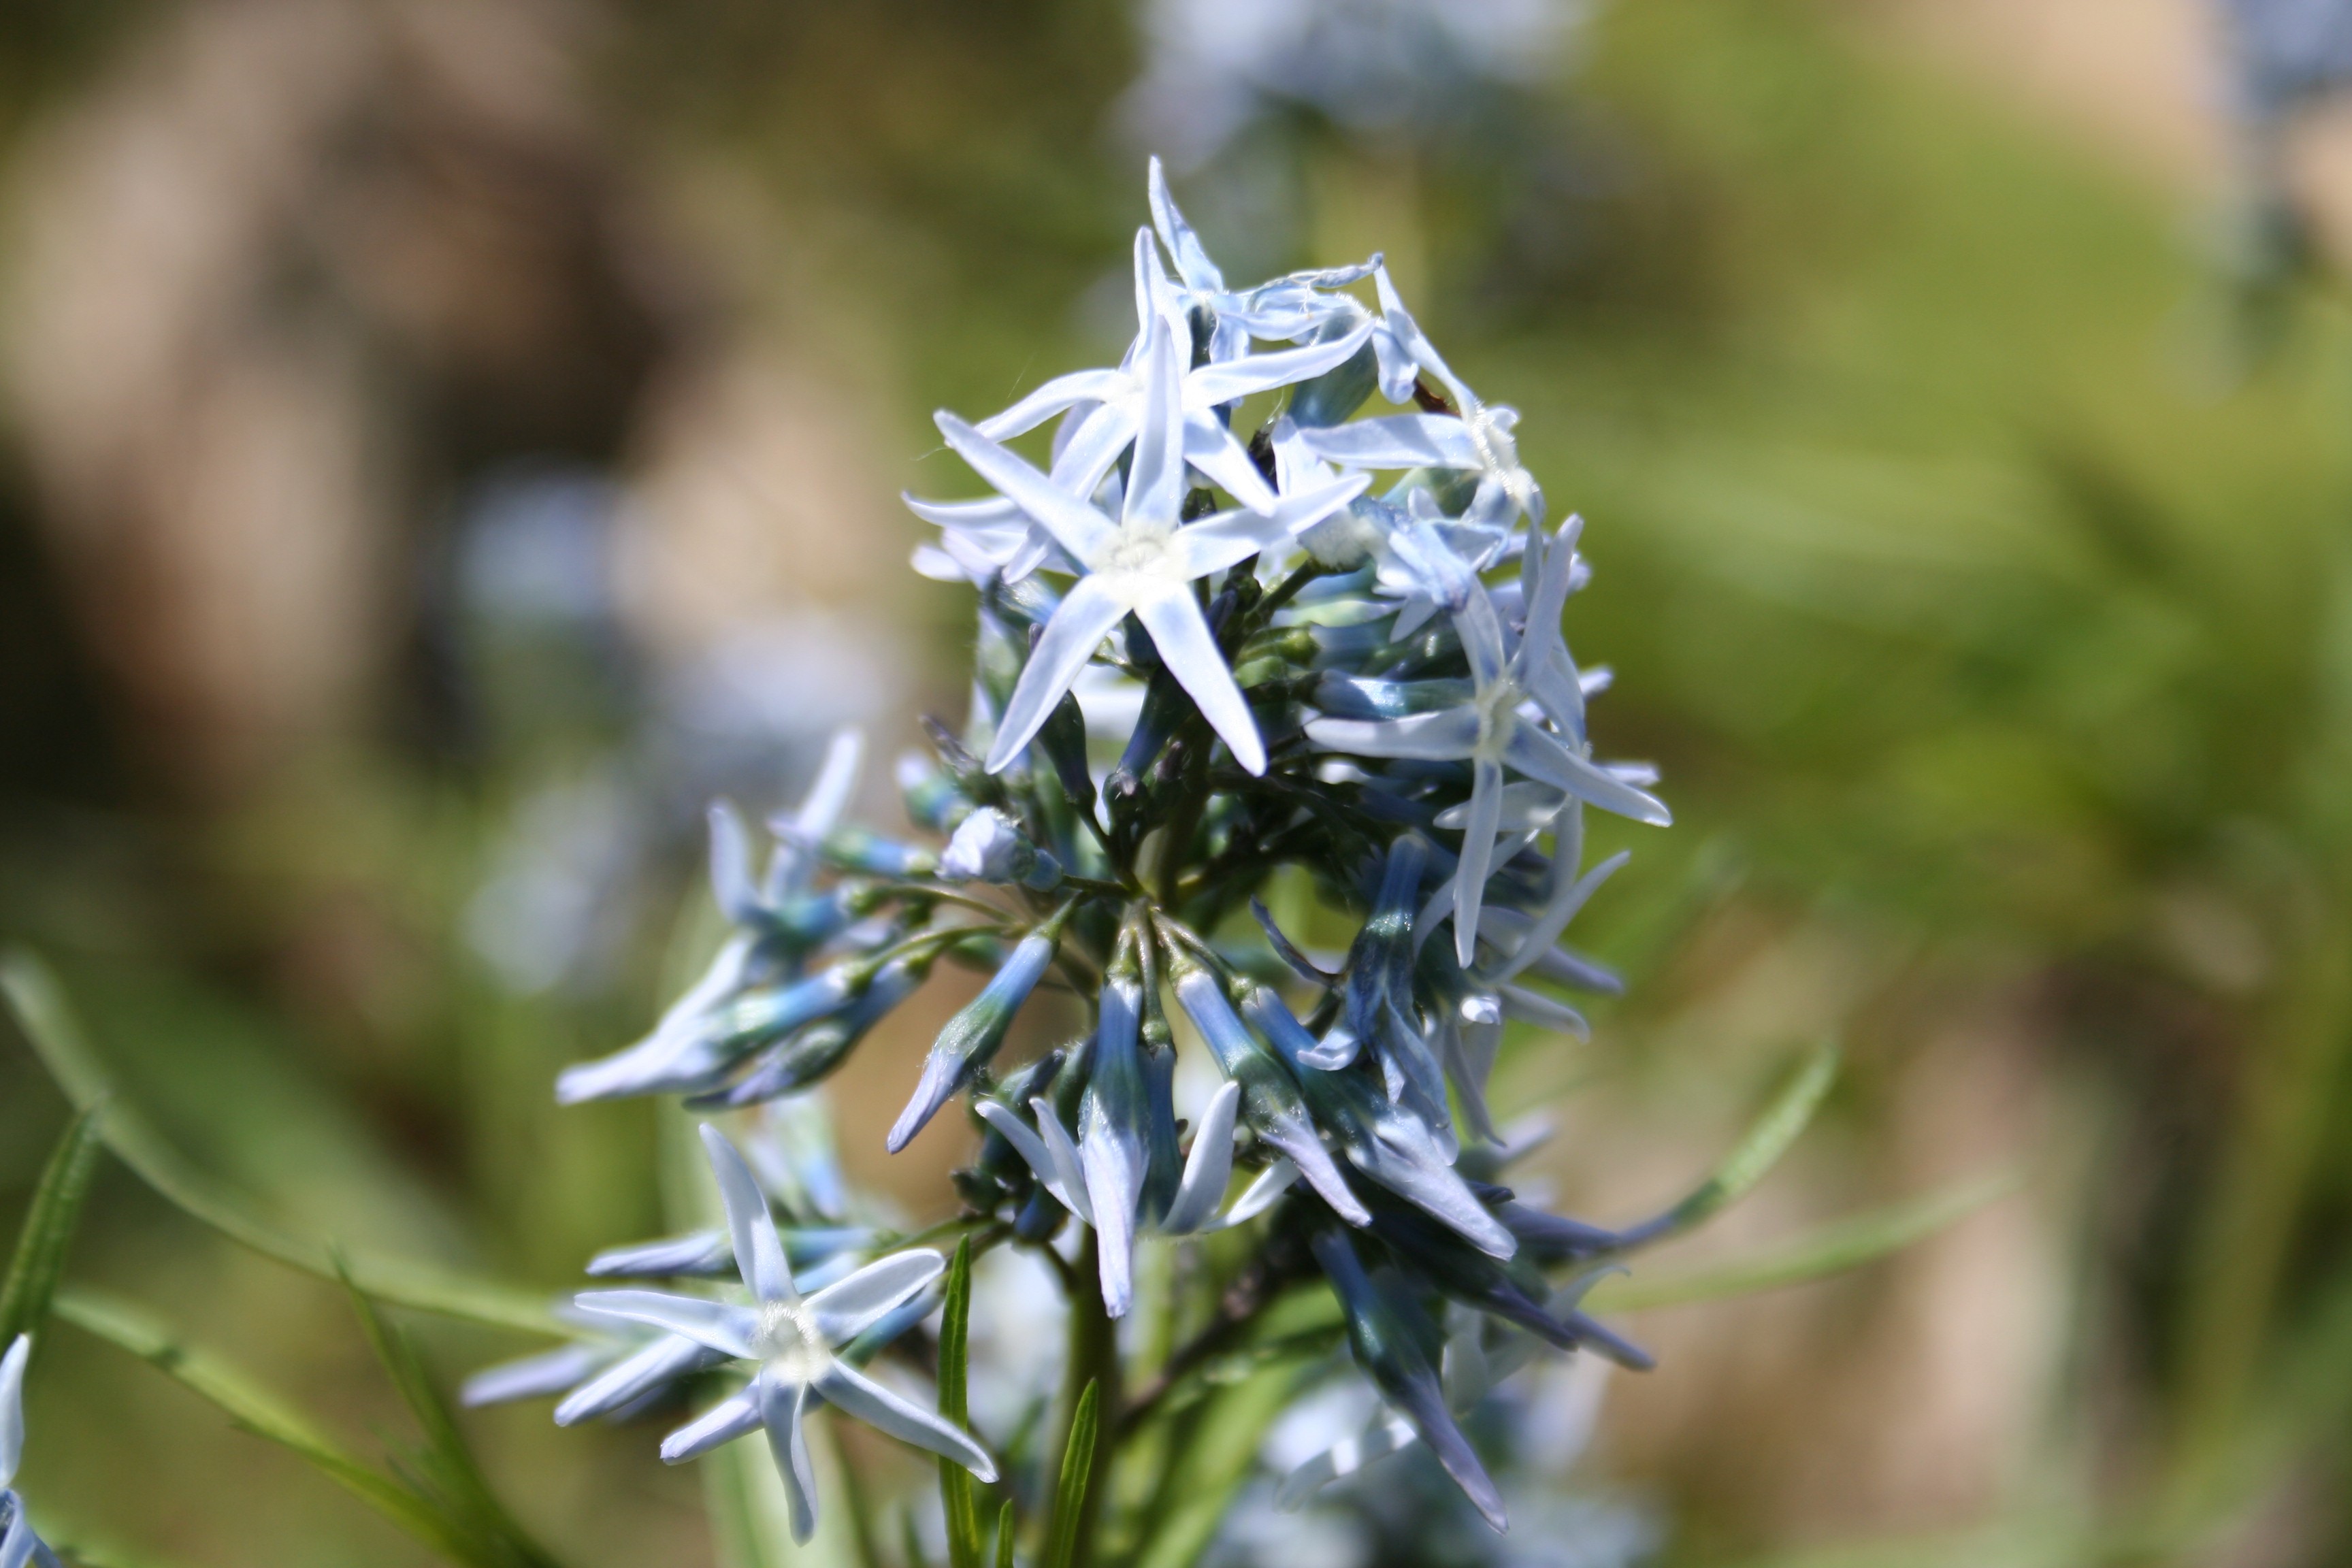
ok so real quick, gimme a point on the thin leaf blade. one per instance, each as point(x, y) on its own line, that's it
point(958, 1492)
point(1768, 1138)
point(255, 1410)
point(38, 1002)
point(1077, 1470)
point(1831, 1249)
point(40, 1258)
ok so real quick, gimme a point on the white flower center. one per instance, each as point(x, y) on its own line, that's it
point(786, 1336)
point(1499, 719)
point(1138, 550)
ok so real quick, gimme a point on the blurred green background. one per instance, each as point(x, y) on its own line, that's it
point(447, 442)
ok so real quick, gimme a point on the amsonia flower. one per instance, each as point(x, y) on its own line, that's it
point(1479, 439)
point(19, 1544)
point(1118, 396)
point(1501, 724)
point(1143, 564)
point(792, 1343)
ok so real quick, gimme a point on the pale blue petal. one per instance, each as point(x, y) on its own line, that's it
point(718, 1324)
point(1209, 1166)
point(1477, 856)
point(1207, 385)
point(992, 512)
point(1258, 1196)
point(622, 1384)
point(827, 798)
point(731, 887)
point(1295, 513)
point(1181, 635)
point(1544, 757)
point(11, 1408)
point(1078, 626)
point(843, 1312)
point(735, 1417)
point(1155, 479)
point(17, 1547)
point(1056, 395)
point(1443, 736)
point(1078, 525)
point(783, 1410)
point(1069, 1174)
point(1568, 897)
point(1532, 1008)
point(759, 1251)
point(1214, 449)
point(533, 1377)
point(1397, 441)
point(886, 1412)
point(1216, 542)
point(1031, 1147)
point(1093, 450)
point(1191, 260)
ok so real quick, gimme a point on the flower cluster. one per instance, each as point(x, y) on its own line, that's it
point(1338, 636)
point(19, 1544)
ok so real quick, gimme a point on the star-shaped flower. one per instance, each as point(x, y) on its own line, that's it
point(1479, 439)
point(1502, 725)
point(1143, 563)
point(19, 1544)
point(793, 1342)
point(1094, 445)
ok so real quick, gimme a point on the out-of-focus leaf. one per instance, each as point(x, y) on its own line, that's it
point(955, 1486)
point(1004, 1522)
point(1759, 1150)
point(1221, 1444)
point(1832, 1249)
point(39, 1007)
point(1077, 1470)
point(444, 1466)
point(40, 1256)
point(258, 1412)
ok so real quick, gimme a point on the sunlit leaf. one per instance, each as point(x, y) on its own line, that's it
point(956, 1489)
point(260, 1413)
point(38, 1005)
point(1759, 1150)
point(40, 1256)
point(1078, 1471)
point(1831, 1249)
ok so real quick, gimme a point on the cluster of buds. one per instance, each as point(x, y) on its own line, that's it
point(1339, 636)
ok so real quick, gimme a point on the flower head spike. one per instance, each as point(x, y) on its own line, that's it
point(1142, 564)
point(794, 1344)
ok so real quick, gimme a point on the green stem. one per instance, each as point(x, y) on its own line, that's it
point(1093, 1362)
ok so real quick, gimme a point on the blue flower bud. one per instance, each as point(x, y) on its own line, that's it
point(1399, 1348)
point(990, 847)
point(973, 1035)
point(1270, 1100)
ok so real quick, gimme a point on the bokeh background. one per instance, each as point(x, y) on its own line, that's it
point(446, 441)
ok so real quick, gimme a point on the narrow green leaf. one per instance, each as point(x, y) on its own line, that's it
point(38, 1005)
point(1005, 1535)
point(1766, 1138)
point(1078, 1468)
point(447, 1472)
point(1832, 1249)
point(40, 1258)
point(958, 1492)
point(258, 1412)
